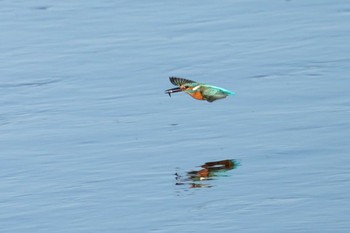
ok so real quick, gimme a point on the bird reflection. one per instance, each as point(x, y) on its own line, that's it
point(209, 171)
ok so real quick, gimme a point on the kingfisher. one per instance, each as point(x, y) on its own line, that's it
point(199, 91)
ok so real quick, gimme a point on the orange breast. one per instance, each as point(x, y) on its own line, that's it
point(197, 95)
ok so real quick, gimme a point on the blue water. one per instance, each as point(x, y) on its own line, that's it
point(90, 142)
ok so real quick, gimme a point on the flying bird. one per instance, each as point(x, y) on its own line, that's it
point(199, 91)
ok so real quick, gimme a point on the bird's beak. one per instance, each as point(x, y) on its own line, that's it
point(173, 90)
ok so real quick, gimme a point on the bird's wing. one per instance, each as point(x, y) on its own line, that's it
point(179, 81)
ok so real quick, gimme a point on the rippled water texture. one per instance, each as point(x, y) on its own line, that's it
point(90, 142)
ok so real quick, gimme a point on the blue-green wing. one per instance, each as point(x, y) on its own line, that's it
point(180, 81)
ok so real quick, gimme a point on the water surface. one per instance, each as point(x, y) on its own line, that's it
point(90, 142)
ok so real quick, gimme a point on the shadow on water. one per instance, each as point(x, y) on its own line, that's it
point(210, 171)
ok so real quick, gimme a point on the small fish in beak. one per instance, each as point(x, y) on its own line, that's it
point(173, 90)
